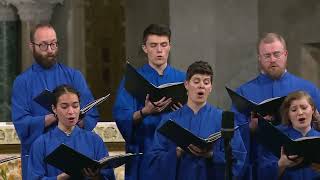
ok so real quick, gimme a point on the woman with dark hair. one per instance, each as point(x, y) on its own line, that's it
point(66, 108)
point(297, 113)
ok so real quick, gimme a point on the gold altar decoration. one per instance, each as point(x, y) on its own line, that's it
point(10, 146)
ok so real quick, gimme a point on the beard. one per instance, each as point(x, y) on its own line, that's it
point(275, 73)
point(46, 61)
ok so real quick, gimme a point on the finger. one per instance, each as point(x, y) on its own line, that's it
point(195, 148)
point(85, 172)
point(163, 103)
point(175, 106)
point(180, 105)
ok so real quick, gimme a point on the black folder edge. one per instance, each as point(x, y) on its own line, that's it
point(63, 156)
point(46, 100)
point(178, 133)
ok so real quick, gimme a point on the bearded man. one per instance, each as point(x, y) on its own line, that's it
point(29, 118)
point(273, 81)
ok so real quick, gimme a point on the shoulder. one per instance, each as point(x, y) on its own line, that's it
point(298, 79)
point(284, 128)
point(69, 69)
point(25, 75)
point(91, 135)
point(178, 72)
point(249, 83)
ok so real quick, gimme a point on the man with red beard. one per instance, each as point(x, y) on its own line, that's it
point(273, 81)
point(29, 118)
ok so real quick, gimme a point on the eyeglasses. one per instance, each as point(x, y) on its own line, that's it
point(276, 54)
point(45, 46)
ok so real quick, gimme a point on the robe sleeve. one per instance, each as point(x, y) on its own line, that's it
point(122, 112)
point(161, 162)
point(28, 127)
point(316, 97)
point(101, 152)
point(91, 118)
point(267, 165)
point(238, 153)
point(36, 164)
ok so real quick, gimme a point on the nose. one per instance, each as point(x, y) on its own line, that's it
point(49, 49)
point(159, 48)
point(71, 110)
point(273, 58)
point(299, 111)
point(201, 85)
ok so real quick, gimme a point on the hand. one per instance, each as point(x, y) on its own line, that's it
point(49, 119)
point(176, 106)
point(315, 166)
point(288, 161)
point(253, 124)
point(316, 120)
point(179, 151)
point(91, 174)
point(80, 124)
point(206, 153)
point(155, 107)
point(63, 176)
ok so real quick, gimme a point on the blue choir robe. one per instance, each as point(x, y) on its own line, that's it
point(162, 162)
point(86, 142)
point(28, 116)
point(268, 163)
point(139, 138)
point(260, 89)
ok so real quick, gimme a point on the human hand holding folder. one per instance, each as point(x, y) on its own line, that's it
point(139, 87)
point(184, 138)
point(46, 99)
point(273, 139)
point(63, 156)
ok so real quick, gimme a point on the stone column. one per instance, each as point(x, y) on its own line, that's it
point(8, 57)
point(31, 12)
point(224, 33)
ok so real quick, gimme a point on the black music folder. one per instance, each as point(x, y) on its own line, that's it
point(272, 139)
point(72, 162)
point(267, 107)
point(139, 87)
point(46, 99)
point(183, 137)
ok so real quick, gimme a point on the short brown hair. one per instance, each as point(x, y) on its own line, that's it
point(156, 29)
point(199, 67)
point(38, 26)
point(284, 109)
point(270, 38)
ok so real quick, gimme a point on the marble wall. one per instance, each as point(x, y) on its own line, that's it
point(9, 63)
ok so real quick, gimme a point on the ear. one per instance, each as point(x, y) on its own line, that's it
point(186, 84)
point(211, 87)
point(31, 46)
point(54, 109)
point(144, 48)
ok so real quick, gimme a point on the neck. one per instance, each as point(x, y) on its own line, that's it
point(159, 68)
point(303, 131)
point(65, 129)
point(195, 106)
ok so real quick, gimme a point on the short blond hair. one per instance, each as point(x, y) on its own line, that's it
point(267, 38)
